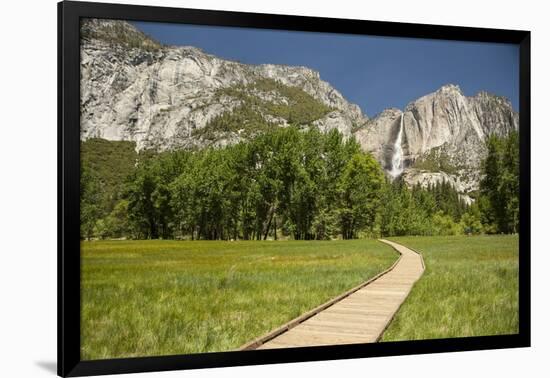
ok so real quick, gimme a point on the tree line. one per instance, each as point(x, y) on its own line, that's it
point(288, 183)
point(498, 203)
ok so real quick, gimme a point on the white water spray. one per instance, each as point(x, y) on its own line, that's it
point(397, 158)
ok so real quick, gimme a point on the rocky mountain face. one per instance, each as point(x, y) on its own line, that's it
point(162, 97)
point(165, 97)
point(443, 136)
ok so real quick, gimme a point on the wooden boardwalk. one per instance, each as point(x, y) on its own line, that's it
point(358, 316)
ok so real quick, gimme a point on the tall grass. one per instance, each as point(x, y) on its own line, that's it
point(146, 298)
point(469, 288)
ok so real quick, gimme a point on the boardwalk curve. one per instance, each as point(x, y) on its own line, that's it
point(358, 316)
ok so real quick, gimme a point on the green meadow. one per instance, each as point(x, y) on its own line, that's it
point(469, 288)
point(146, 298)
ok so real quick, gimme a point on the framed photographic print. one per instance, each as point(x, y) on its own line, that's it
point(239, 188)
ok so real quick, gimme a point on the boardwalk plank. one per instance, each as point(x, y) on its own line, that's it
point(360, 317)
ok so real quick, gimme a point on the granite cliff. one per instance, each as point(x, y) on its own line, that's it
point(442, 136)
point(165, 97)
point(162, 97)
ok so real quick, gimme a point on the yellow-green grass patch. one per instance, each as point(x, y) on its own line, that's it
point(147, 298)
point(469, 288)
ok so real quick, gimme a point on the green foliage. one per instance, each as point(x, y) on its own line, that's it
point(471, 221)
point(149, 194)
point(89, 201)
point(436, 160)
point(110, 162)
point(444, 224)
point(288, 183)
point(447, 200)
point(243, 120)
point(248, 119)
point(436, 210)
point(149, 298)
point(469, 288)
point(499, 189)
point(283, 183)
point(301, 109)
point(105, 169)
point(117, 224)
point(118, 33)
point(360, 187)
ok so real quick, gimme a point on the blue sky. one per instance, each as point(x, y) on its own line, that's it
point(372, 72)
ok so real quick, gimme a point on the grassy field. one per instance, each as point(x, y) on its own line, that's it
point(145, 298)
point(469, 288)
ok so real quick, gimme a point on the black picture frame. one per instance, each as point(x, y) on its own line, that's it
point(69, 15)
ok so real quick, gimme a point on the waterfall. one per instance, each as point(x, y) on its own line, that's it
point(397, 158)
